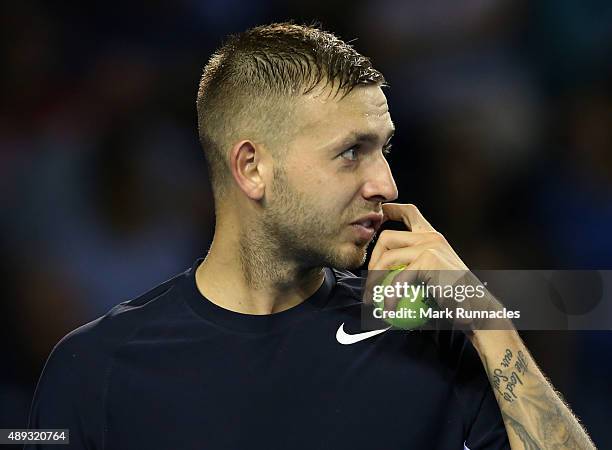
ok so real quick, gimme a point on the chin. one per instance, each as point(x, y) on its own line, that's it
point(351, 258)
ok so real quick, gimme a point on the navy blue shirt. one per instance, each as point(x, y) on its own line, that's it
point(171, 370)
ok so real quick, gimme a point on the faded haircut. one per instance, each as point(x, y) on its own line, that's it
point(247, 86)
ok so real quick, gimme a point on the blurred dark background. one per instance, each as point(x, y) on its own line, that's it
point(503, 112)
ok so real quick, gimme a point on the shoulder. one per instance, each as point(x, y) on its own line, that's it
point(71, 392)
point(88, 347)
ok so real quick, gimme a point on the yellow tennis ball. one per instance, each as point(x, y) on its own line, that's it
point(406, 320)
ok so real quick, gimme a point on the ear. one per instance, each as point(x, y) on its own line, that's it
point(247, 166)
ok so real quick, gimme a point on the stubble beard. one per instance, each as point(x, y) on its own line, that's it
point(295, 232)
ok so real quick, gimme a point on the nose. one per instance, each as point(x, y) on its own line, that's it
point(380, 185)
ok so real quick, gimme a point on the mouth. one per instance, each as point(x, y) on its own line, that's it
point(366, 226)
point(372, 221)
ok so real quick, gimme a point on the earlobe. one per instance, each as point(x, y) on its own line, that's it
point(245, 164)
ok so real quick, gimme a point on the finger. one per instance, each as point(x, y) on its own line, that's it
point(390, 239)
point(435, 265)
point(407, 213)
point(400, 256)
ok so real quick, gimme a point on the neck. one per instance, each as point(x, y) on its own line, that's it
point(246, 272)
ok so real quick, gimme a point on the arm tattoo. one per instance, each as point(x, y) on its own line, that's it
point(520, 431)
point(530, 407)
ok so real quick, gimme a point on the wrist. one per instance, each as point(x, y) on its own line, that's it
point(492, 340)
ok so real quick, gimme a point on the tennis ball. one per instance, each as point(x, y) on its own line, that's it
point(405, 304)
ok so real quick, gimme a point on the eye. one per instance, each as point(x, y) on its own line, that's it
point(352, 152)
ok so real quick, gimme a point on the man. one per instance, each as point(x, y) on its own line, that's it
point(259, 345)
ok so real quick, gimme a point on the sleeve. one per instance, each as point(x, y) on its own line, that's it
point(67, 396)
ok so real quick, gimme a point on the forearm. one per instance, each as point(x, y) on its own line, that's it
point(534, 414)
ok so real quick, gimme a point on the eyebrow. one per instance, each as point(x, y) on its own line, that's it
point(371, 138)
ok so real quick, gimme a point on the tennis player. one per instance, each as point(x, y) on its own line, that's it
point(259, 345)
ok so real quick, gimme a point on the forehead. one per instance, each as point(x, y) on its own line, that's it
point(325, 120)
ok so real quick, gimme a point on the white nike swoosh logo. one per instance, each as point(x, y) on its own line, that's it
point(347, 339)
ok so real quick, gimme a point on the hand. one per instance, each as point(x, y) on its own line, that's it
point(421, 247)
point(428, 258)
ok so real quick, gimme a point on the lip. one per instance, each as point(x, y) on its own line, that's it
point(376, 218)
point(364, 233)
point(367, 233)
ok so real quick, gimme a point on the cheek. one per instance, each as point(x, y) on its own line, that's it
point(333, 192)
point(341, 194)
point(303, 174)
point(310, 182)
